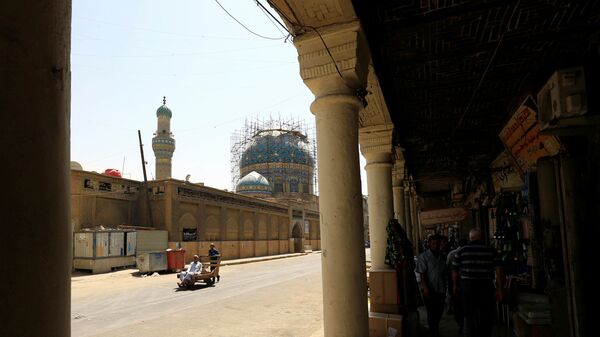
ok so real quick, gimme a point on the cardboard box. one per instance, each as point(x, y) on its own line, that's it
point(522, 329)
point(385, 308)
point(384, 288)
point(385, 325)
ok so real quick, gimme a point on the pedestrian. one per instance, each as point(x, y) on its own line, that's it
point(474, 265)
point(431, 265)
point(214, 255)
point(454, 302)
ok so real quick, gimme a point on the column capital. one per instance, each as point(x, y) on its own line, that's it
point(398, 173)
point(376, 143)
point(343, 42)
point(334, 102)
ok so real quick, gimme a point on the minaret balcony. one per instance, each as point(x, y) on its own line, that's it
point(163, 141)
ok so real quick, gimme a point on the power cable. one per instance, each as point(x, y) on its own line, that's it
point(297, 23)
point(248, 29)
point(328, 51)
point(485, 72)
point(270, 19)
point(266, 11)
point(201, 36)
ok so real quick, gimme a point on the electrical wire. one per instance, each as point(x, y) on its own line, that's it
point(248, 29)
point(328, 51)
point(266, 11)
point(184, 35)
point(485, 72)
point(297, 23)
point(269, 17)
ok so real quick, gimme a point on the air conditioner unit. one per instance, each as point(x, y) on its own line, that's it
point(563, 96)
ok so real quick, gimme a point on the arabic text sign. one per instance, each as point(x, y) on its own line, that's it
point(522, 138)
point(444, 215)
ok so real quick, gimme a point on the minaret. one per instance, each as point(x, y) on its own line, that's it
point(163, 143)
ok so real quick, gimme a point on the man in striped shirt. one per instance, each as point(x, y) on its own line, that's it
point(475, 264)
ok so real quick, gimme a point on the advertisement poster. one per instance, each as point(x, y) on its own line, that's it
point(505, 176)
point(521, 137)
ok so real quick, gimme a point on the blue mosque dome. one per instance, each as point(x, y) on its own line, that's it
point(163, 110)
point(277, 146)
point(254, 183)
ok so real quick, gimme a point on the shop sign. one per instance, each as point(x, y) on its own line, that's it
point(445, 215)
point(504, 173)
point(521, 137)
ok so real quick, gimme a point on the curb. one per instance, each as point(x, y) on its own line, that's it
point(267, 258)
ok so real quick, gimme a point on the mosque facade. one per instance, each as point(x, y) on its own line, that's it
point(272, 211)
point(275, 160)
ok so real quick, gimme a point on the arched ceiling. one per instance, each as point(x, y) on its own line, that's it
point(453, 71)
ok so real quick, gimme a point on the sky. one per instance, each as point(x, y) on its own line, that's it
point(215, 74)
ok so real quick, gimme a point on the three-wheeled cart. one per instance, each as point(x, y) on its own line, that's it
point(209, 273)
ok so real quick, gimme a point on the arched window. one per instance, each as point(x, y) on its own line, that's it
point(294, 186)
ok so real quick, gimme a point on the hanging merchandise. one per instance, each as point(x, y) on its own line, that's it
point(399, 255)
point(511, 236)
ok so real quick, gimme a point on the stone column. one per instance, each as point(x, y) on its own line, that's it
point(416, 228)
point(413, 220)
point(376, 146)
point(336, 108)
point(35, 87)
point(398, 191)
point(407, 217)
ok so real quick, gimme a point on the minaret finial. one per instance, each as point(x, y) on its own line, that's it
point(164, 100)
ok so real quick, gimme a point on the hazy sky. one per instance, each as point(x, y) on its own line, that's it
point(127, 55)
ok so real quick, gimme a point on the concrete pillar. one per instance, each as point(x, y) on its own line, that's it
point(407, 217)
point(376, 146)
point(398, 191)
point(551, 223)
point(413, 218)
point(573, 178)
point(35, 86)
point(336, 108)
point(340, 205)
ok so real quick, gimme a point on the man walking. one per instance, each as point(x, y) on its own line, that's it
point(434, 273)
point(214, 254)
point(454, 302)
point(474, 265)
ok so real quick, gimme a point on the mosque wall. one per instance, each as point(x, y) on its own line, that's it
point(284, 246)
point(240, 226)
point(232, 225)
point(100, 200)
point(261, 248)
point(211, 225)
point(247, 248)
point(247, 226)
point(273, 247)
point(284, 228)
point(262, 226)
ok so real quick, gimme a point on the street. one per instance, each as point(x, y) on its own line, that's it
point(271, 298)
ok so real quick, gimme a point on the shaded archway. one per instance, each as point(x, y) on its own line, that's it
point(297, 235)
point(212, 228)
point(188, 227)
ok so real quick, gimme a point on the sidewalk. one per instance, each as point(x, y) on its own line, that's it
point(263, 258)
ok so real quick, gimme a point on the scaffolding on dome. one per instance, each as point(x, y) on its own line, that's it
point(242, 138)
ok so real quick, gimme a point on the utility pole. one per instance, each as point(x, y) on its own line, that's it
point(145, 180)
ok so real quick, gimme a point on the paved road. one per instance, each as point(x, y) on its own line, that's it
point(271, 298)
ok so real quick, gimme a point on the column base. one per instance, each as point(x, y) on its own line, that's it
point(383, 284)
point(385, 325)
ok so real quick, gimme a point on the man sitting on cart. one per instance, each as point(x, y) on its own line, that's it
point(195, 268)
